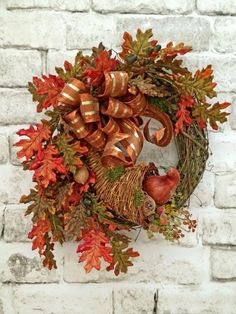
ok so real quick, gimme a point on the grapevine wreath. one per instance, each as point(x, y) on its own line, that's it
point(89, 186)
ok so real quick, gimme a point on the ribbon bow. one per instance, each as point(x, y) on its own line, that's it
point(111, 121)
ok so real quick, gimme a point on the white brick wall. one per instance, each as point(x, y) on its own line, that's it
point(197, 276)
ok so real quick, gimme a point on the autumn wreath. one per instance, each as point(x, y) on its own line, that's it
point(89, 186)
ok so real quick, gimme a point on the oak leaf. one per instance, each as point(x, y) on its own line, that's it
point(36, 136)
point(94, 246)
point(72, 151)
point(103, 63)
point(206, 113)
point(46, 164)
point(183, 114)
point(45, 90)
point(140, 46)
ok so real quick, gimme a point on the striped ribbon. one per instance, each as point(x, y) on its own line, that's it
point(111, 121)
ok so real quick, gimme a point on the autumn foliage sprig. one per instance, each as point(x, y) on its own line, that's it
point(63, 209)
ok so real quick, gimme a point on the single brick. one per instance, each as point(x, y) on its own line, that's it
point(18, 66)
point(222, 158)
point(17, 107)
point(225, 191)
point(31, 29)
point(209, 298)
point(140, 6)
point(16, 225)
point(217, 7)
point(224, 34)
point(72, 5)
point(4, 151)
point(223, 264)
point(167, 29)
point(63, 299)
point(134, 300)
point(219, 228)
point(16, 182)
point(85, 31)
point(22, 265)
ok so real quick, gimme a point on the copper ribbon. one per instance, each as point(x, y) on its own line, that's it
point(111, 121)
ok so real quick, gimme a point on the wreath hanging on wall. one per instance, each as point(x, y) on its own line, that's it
point(89, 186)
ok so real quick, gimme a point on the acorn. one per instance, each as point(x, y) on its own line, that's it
point(81, 176)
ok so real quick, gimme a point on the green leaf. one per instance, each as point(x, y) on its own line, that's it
point(200, 85)
point(121, 257)
point(40, 204)
point(212, 114)
point(71, 150)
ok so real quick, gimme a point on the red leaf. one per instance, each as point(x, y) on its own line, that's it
point(183, 114)
point(36, 136)
point(46, 164)
point(38, 233)
point(94, 247)
point(50, 87)
point(104, 63)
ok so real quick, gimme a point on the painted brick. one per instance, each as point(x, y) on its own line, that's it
point(31, 30)
point(224, 34)
point(134, 300)
point(193, 300)
point(225, 192)
point(17, 107)
point(77, 299)
point(233, 114)
point(222, 159)
point(141, 6)
point(14, 183)
point(81, 34)
point(217, 7)
point(219, 228)
point(57, 58)
point(16, 225)
point(224, 68)
point(4, 152)
point(167, 29)
point(72, 5)
point(223, 264)
point(21, 265)
point(2, 209)
point(18, 66)
point(165, 264)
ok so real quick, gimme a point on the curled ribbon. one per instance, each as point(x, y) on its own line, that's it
point(111, 121)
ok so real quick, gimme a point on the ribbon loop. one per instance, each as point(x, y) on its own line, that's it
point(138, 104)
point(111, 127)
point(70, 94)
point(76, 122)
point(117, 109)
point(116, 84)
point(89, 108)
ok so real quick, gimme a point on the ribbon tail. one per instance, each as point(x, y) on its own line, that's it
point(163, 118)
point(154, 138)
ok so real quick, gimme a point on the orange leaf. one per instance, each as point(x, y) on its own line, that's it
point(104, 63)
point(94, 247)
point(46, 164)
point(36, 136)
point(50, 87)
point(38, 233)
point(183, 114)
